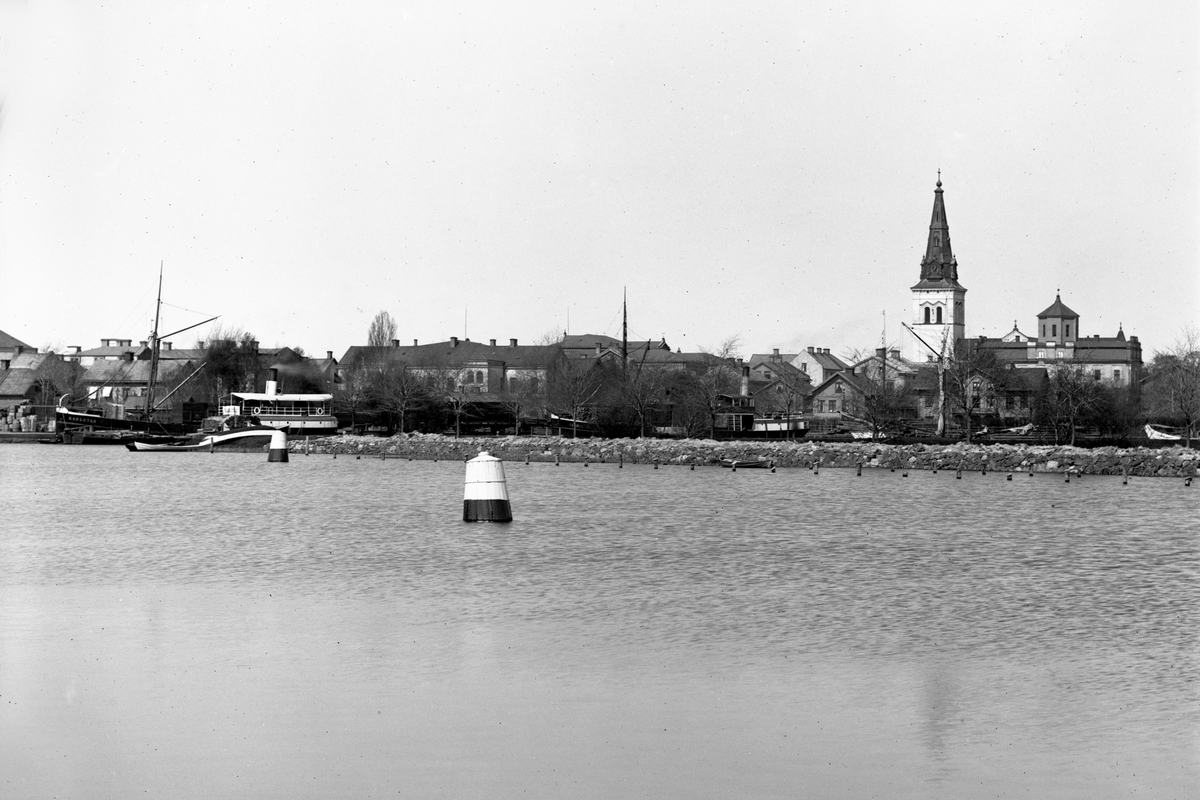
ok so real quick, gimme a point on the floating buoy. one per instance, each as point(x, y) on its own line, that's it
point(556, 459)
point(621, 461)
point(858, 472)
point(1068, 479)
point(485, 493)
point(656, 465)
point(984, 469)
point(527, 459)
point(585, 463)
point(1125, 476)
point(1187, 481)
point(278, 448)
point(958, 473)
point(904, 474)
point(1008, 477)
point(693, 467)
point(305, 445)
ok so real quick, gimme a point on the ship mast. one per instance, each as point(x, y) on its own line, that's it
point(624, 330)
point(154, 351)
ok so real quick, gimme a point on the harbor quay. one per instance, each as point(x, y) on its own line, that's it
point(1137, 461)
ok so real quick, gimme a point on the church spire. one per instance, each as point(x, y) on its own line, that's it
point(939, 262)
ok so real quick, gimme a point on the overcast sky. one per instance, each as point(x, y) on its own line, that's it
point(490, 169)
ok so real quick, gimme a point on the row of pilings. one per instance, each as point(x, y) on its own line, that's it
point(1140, 461)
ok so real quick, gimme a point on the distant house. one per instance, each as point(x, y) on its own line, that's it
point(10, 348)
point(843, 394)
point(818, 363)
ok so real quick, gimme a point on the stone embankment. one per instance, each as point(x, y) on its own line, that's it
point(1146, 462)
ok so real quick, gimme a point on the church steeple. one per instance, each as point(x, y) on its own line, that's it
point(939, 263)
point(939, 300)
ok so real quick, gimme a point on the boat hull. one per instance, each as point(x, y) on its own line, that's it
point(241, 440)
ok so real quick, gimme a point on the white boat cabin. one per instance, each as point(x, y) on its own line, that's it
point(298, 414)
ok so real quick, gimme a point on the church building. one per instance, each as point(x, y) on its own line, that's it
point(938, 299)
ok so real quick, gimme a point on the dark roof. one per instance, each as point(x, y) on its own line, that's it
point(827, 361)
point(1058, 309)
point(8, 342)
point(135, 372)
point(532, 356)
point(113, 351)
point(588, 341)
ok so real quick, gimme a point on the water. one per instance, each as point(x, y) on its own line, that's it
point(200, 625)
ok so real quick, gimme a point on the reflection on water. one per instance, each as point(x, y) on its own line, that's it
point(197, 625)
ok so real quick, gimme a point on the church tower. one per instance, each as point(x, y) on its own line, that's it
point(938, 300)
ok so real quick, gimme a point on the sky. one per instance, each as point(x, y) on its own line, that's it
point(507, 170)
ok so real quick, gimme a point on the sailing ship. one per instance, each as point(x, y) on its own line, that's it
point(89, 425)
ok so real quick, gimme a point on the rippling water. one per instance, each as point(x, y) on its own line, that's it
point(199, 625)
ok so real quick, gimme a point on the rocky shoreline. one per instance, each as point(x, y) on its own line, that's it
point(1139, 461)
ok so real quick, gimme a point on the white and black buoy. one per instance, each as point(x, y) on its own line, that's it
point(485, 495)
point(278, 449)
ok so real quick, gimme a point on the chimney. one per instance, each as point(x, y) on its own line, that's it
point(254, 346)
point(512, 342)
point(414, 342)
point(329, 355)
point(127, 343)
point(491, 342)
point(825, 351)
point(895, 354)
point(454, 341)
point(776, 354)
point(200, 345)
point(881, 352)
point(273, 382)
point(597, 348)
point(810, 348)
point(395, 342)
point(166, 345)
point(745, 380)
point(144, 343)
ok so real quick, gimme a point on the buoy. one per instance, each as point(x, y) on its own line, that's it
point(305, 445)
point(656, 465)
point(958, 473)
point(1068, 480)
point(278, 449)
point(556, 459)
point(621, 461)
point(693, 467)
point(527, 459)
point(984, 469)
point(1187, 481)
point(1125, 476)
point(1008, 477)
point(904, 474)
point(485, 493)
point(585, 463)
point(858, 472)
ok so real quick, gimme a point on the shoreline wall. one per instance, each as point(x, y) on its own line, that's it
point(1138, 461)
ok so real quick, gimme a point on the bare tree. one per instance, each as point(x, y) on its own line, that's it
point(398, 390)
point(230, 362)
point(573, 384)
point(1173, 383)
point(1069, 399)
point(970, 374)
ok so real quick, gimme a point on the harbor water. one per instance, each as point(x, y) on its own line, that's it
point(194, 625)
